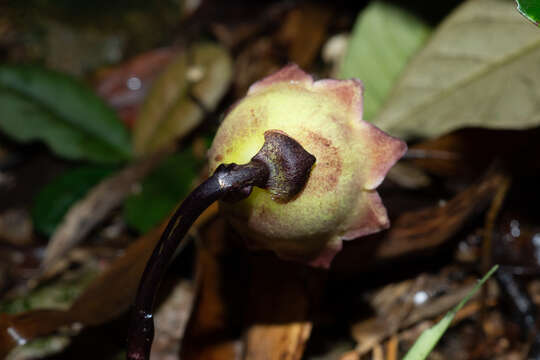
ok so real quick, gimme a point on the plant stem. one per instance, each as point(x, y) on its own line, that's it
point(282, 166)
point(233, 180)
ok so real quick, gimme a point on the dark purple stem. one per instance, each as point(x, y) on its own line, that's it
point(282, 166)
point(227, 179)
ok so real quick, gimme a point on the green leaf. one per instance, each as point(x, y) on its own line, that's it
point(383, 40)
point(479, 69)
point(161, 191)
point(55, 199)
point(530, 9)
point(39, 104)
point(430, 337)
point(170, 111)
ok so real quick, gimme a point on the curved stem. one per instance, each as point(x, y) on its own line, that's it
point(282, 166)
point(233, 180)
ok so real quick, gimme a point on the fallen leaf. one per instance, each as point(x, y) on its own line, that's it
point(108, 296)
point(38, 104)
point(254, 62)
point(397, 306)
point(420, 230)
point(96, 205)
point(198, 77)
point(429, 338)
point(427, 228)
point(267, 299)
point(469, 151)
point(278, 341)
point(125, 86)
point(383, 40)
point(304, 31)
point(530, 9)
point(478, 69)
point(55, 199)
point(260, 16)
point(282, 298)
point(212, 331)
point(171, 321)
point(391, 304)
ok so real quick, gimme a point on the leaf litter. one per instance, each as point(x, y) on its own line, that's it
point(382, 292)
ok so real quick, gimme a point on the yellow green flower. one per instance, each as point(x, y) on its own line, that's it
point(339, 201)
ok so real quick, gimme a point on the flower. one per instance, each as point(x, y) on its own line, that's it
point(339, 201)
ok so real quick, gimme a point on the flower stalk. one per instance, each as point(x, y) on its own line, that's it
point(281, 166)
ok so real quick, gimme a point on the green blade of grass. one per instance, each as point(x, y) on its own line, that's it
point(429, 338)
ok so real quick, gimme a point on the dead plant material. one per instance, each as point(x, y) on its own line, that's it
point(304, 31)
point(281, 300)
point(421, 230)
point(220, 282)
point(119, 284)
point(398, 310)
point(470, 151)
point(96, 206)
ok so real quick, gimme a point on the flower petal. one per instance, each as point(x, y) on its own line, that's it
point(289, 74)
point(348, 92)
point(325, 257)
point(368, 217)
point(381, 152)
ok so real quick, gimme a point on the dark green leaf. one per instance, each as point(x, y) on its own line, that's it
point(382, 42)
point(530, 9)
point(161, 191)
point(55, 199)
point(38, 104)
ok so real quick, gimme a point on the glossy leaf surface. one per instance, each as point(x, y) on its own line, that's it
point(38, 104)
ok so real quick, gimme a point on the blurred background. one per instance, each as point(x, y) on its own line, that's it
point(107, 110)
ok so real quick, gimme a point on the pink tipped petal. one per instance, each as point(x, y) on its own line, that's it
point(348, 92)
point(339, 201)
point(325, 257)
point(289, 74)
point(381, 152)
point(369, 216)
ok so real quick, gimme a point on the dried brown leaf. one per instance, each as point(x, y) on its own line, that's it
point(197, 77)
point(420, 230)
point(396, 308)
point(220, 282)
point(278, 341)
point(282, 298)
point(304, 31)
point(108, 296)
point(470, 151)
point(124, 86)
point(96, 205)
